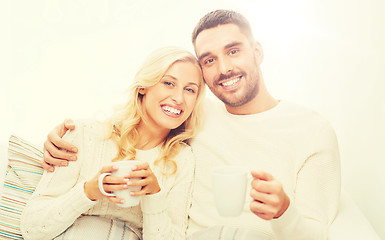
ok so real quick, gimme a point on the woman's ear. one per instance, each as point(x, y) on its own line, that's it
point(142, 91)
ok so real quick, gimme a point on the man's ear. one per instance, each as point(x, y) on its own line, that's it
point(258, 52)
point(142, 91)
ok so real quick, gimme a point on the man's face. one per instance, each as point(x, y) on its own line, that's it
point(230, 64)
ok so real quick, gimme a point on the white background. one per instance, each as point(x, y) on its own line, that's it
point(75, 58)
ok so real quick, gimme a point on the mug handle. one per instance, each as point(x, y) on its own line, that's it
point(100, 185)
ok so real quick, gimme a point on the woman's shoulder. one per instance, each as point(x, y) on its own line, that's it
point(185, 155)
point(185, 148)
point(89, 127)
point(86, 130)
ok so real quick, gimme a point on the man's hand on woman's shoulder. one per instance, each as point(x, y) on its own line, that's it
point(58, 152)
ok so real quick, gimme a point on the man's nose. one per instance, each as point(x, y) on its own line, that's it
point(224, 66)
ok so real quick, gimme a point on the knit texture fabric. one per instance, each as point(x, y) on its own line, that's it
point(60, 199)
point(294, 144)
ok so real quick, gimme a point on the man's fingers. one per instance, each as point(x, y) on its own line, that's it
point(262, 210)
point(59, 154)
point(57, 140)
point(69, 124)
point(48, 159)
point(258, 196)
point(47, 167)
point(265, 198)
point(262, 175)
point(264, 186)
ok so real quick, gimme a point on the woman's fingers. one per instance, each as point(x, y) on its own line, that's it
point(113, 183)
point(139, 174)
point(144, 191)
point(108, 169)
point(141, 166)
point(116, 200)
point(141, 182)
point(114, 187)
point(114, 180)
point(148, 186)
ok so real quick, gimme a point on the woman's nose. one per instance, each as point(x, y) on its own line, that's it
point(178, 96)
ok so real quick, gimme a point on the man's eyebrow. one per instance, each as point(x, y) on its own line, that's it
point(232, 44)
point(203, 56)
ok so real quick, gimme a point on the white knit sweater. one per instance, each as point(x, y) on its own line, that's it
point(294, 144)
point(59, 198)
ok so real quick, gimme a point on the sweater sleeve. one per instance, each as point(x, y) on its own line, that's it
point(59, 199)
point(165, 214)
point(315, 202)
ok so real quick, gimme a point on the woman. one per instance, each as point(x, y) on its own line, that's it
point(161, 115)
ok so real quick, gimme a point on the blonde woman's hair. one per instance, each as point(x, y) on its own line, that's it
point(122, 126)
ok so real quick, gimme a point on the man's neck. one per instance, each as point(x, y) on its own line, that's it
point(261, 103)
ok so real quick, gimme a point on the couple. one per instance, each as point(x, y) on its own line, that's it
point(292, 152)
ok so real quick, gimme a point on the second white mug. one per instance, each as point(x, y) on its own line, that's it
point(229, 188)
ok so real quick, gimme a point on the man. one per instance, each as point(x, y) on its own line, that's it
point(292, 151)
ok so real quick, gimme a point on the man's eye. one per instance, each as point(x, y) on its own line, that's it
point(208, 61)
point(232, 52)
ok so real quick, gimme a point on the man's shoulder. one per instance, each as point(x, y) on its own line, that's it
point(294, 109)
point(305, 117)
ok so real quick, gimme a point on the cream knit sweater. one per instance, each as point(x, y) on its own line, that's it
point(294, 144)
point(59, 198)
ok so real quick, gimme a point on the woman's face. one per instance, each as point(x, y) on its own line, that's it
point(167, 104)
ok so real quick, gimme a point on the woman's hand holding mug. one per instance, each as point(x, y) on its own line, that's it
point(148, 181)
point(110, 184)
point(135, 177)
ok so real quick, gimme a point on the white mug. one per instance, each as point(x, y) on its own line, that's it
point(229, 188)
point(124, 167)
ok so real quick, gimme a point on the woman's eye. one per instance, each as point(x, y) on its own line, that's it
point(190, 90)
point(168, 83)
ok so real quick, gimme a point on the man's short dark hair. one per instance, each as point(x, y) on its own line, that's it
point(221, 17)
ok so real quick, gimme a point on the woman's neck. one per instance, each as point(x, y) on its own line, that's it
point(150, 137)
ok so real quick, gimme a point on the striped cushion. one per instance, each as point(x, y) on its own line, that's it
point(22, 176)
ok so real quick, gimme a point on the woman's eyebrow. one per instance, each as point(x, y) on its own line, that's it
point(193, 83)
point(170, 76)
